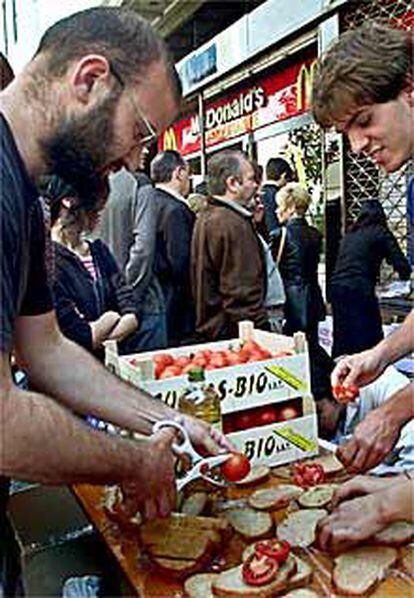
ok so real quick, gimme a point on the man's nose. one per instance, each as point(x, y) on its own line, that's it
point(359, 141)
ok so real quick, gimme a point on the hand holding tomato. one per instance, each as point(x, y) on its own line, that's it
point(345, 393)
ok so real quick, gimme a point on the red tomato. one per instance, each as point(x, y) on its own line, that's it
point(266, 416)
point(159, 368)
point(345, 394)
point(218, 360)
point(200, 361)
point(275, 549)
point(244, 420)
point(235, 468)
point(288, 413)
point(170, 372)
point(256, 356)
point(250, 347)
point(265, 353)
point(234, 358)
point(189, 367)
point(182, 361)
point(259, 570)
point(207, 353)
point(306, 475)
point(164, 359)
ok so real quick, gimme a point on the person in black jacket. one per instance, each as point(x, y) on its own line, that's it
point(174, 223)
point(278, 174)
point(92, 300)
point(356, 314)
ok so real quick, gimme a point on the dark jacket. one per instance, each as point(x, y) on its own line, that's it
point(268, 193)
point(308, 240)
point(79, 299)
point(361, 254)
point(228, 271)
point(174, 222)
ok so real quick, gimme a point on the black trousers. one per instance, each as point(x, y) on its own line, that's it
point(10, 565)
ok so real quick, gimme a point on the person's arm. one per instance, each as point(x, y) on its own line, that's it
point(365, 367)
point(44, 442)
point(378, 432)
point(63, 370)
point(126, 325)
point(103, 327)
point(139, 268)
point(395, 257)
point(358, 519)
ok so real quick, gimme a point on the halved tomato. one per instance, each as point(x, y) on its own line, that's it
point(345, 394)
point(306, 475)
point(275, 549)
point(259, 570)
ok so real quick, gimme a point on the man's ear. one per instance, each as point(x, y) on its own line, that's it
point(88, 75)
point(232, 184)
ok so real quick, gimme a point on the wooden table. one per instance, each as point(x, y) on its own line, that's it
point(147, 583)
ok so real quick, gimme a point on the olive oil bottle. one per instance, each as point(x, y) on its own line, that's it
point(200, 399)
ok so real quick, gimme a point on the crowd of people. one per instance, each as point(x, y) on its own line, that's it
point(132, 258)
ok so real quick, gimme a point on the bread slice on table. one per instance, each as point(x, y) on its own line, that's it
point(178, 568)
point(317, 497)
point(257, 474)
point(358, 570)
point(301, 593)
point(330, 463)
point(230, 582)
point(194, 504)
point(199, 586)
point(396, 534)
point(303, 573)
point(299, 528)
point(250, 523)
point(278, 497)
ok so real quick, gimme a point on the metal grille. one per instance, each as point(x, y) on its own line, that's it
point(363, 180)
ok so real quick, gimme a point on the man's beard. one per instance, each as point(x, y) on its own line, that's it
point(80, 148)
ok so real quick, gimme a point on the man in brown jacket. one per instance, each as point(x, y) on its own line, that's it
point(227, 263)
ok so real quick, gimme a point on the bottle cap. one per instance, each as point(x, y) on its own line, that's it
point(196, 374)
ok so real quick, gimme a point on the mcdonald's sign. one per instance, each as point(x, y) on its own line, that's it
point(169, 140)
point(304, 85)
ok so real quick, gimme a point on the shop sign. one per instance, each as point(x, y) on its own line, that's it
point(276, 97)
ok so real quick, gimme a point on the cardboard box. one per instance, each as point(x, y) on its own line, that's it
point(242, 388)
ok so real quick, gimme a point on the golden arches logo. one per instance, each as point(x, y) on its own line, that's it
point(169, 141)
point(304, 83)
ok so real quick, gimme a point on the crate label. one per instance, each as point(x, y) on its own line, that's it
point(296, 439)
point(287, 376)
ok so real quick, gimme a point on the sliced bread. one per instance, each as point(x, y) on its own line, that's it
point(358, 570)
point(303, 573)
point(408, 560)
point(299, 527)
point(250, 523)
point(199, 586)
point(330, 463)
point(318, 496)
point(177, 568)
point(230, 582)
point(302, 593)
point(257, 474)
point(278, 497)
point(194, 504)
point(396, 534)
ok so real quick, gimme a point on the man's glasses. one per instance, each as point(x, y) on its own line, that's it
point(151, 136)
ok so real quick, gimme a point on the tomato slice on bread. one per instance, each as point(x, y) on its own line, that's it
point(275, 549)
point(259, 570)
point(307, 475)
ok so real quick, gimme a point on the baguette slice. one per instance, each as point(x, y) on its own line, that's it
point(318, 496)
point(330, 463)
point(301, 593)
point(396, 534)
point(257, 474)
point(358, 570)
point(250, 523)
point(278, 497)
point(299, 527)
point(194, 504)
point(176, 568)
point(199, 586)
point(230, 582)
point(303, 573)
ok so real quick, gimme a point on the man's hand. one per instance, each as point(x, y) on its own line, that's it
point(363, 484)
point(359, 369)
point(371, 442)
point(153, 493)
point(352, 522)
point(204, 437)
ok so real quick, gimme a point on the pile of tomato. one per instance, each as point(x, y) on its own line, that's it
point(262, 567)
point(264, 415)
point(168, 366)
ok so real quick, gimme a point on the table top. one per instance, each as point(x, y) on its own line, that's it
point(147, 583)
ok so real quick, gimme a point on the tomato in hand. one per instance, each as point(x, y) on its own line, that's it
point(275, 549)
point(235, 468)
point(259, 570)
point(345, 394)
point(307, 475)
